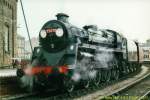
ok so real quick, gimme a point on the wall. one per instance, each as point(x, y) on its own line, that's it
point(8, 18)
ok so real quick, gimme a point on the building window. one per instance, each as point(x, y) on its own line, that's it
point(146, 56)
point(146, 51)
point(6, 38)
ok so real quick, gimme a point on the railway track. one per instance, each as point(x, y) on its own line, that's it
point(138, 91)
point(145, 96)
point(117, 87)
point(97, 93)
point(30, 96)
point(17, 96)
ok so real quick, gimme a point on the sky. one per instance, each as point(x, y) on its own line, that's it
point(129, 17)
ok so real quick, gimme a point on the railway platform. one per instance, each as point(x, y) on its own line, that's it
point(7, 72)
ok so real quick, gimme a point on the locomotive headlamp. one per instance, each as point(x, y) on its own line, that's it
point(43, 33)
point(59, 32)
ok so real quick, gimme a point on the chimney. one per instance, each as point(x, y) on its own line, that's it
point(62, 17)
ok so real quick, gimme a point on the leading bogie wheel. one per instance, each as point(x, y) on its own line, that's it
point(69, 85)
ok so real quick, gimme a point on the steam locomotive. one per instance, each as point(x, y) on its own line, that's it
point(68, 56)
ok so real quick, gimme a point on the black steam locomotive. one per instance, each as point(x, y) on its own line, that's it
point(68, 56)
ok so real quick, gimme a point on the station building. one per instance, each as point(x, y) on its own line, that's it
point(8, 31)
point(28, 51)
point(20, 47)
point(146, 51)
